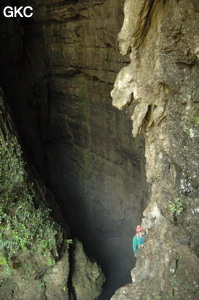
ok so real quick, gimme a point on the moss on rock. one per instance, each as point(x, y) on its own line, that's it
point(29, 239)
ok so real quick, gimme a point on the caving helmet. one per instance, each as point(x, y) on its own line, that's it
point(138, 229)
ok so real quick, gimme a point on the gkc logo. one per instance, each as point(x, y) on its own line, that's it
point(22, 11)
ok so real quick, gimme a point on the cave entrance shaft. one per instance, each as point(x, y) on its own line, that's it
point(61, 72)
point(96, 170)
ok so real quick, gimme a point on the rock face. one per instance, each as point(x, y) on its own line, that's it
point(32, 246)
point(57, 71)
point(34, 256)
point(162, 80)
point(58, 79)
point(87, 277)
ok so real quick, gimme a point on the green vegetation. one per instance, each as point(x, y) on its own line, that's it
point(65, 288)
point(11, 168)
point(171, 293)
point(196, 120)
point(176, 206)
point(24, 228)
point(68, 243)
point(41, 285)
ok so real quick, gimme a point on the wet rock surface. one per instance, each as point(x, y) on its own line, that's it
point(162, 79)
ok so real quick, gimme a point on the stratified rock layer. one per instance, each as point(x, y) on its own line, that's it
point(162, 79)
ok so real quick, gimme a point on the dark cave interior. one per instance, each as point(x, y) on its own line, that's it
point(81, 146)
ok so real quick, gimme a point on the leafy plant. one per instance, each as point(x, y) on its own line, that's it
point(22, 226)
point(41, 285)
point(197, 120)
point(3, 260)
point(68, 242)
point(12, 171)
point(65, 288)
point(176, 206)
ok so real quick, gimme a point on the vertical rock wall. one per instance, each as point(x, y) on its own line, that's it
point(162, 79)
point(34, 249)
point(34, 259)
point(57, 70)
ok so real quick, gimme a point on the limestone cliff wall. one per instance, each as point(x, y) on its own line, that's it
point(57, 71)
point(162, 81)
point(57, 79)
point(34, 248)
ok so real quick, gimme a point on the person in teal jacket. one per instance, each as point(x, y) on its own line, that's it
point(137, 240)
